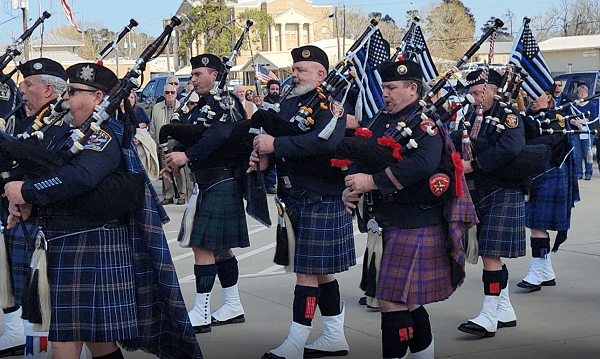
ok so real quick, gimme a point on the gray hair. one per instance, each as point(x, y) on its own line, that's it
point(172, 77)
point(169, 85)
point(583, 87)
point(59, 84)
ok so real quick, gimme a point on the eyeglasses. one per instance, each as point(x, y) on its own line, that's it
point(170, 92)
point(72, 90)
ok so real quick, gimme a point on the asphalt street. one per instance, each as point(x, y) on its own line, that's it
point(556, 322)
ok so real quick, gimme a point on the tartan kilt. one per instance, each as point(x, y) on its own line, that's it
point(415, 266)
point(549, 206)
point(324, 238)
point(92, 285)
point(501, 228)
point(20, 258)
point(220, 221)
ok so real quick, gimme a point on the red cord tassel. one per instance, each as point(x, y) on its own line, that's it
point(340, 163)
point(458, 172)
point(364, 132)
point(388, 142)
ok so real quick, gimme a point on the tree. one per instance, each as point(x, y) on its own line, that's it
point(451, 27)
point(357, 22)
point(214, 23)
point(501, 34)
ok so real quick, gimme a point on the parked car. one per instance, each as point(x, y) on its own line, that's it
point(571, 81)
point(153, 92)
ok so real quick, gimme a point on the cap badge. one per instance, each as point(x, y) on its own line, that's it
point(37, 66)
point(205, 61)
point(402, 70)
point(306, 54)
point(87, 74)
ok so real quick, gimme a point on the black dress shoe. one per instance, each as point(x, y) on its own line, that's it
point(167, 201)
point(314, 353)
point(202, 329)
point(529, 286)
point(362, 301)
point(19, 350)
point(512, 323)
point(475, 329)
point(239, 319)
point(548, 283)
point(269, 355)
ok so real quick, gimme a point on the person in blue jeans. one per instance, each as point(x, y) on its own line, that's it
point(583, 141)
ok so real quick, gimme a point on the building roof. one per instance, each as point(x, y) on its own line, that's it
point(499, 48)
point(62, 57)
point(571, 43)
point(56, 40)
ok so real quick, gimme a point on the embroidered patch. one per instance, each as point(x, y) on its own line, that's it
point(87, 74)
point(336, 108)
point(512, 121)
point(37, 66)
point(561, 120)
point(439, 183)
point(4, 92)
point(306, 54)
point(428, 123)
point(98, 141)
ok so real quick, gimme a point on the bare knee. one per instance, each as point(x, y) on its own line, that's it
point(203, 256)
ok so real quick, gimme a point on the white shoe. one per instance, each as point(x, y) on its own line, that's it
point(293, 345)
point(13, 339)
point(333, 341)
point(427, 353)
point(506, 314)
point(231, 311)
point(485, 324)
point(200, 314)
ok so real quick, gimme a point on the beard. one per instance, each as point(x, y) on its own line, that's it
point(274, 97)
point(300, 90)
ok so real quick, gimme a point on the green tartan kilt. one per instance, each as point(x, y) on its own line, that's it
point(220, 221)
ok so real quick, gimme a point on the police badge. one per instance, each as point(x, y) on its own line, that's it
point(512, 121)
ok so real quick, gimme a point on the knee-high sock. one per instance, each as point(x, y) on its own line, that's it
point(329, 299)
point(114, 355)
point(228, 272)
point(540, 247)
point(305, 304)
point(205, 277)
point(492, 282)
point(421, 330)
point(396, 332)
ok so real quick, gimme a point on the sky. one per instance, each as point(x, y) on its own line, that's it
point(115, 14)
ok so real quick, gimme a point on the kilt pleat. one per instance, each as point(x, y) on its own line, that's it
point(550, 203)
point(324, 238)
point(19, 257)
point(220, 221)
point(92, 285)
point(501, 230)
point(415, 266)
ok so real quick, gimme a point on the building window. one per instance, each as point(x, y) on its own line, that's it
point(324, 30)
point(290, 32)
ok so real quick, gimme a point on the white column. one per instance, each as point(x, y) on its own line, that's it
point(311, 32)
point(272, 46)
point(300, 34)
point(282, 36)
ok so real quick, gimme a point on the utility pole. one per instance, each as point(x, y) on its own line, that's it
point(26, 44)
point(344, 38)
point(337, 34)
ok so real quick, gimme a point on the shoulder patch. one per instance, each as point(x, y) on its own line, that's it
point(512, 121)
point(561, 120)
point(336, 108)
point(98, 141)
point(439, 183)
point(4, 92)
point(428, 123)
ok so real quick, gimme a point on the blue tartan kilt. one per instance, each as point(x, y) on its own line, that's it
point(324, 238)
point(549, 206)
point(220, 221)
point(501, 228)
point(92, 285)
point(19, 257)
point(415, 266)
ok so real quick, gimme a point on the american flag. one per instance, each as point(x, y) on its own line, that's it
point(69, 14)
point(417, 51)
point(368, 81)
point(526, 53)
point(263, 75)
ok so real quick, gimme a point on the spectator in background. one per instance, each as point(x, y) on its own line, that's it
point(272, 91)
point(161, 115)
point(556, 91)
point(173, 80)
point(582, 143)
point(259, 100)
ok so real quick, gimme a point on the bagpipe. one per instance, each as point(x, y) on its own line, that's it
point(329, 89)
point(219, 99)
point(113, 44)
point(12, 51)
point(376, 154)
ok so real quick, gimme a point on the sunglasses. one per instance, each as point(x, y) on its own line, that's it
point(170, 92)
point(72, 90)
